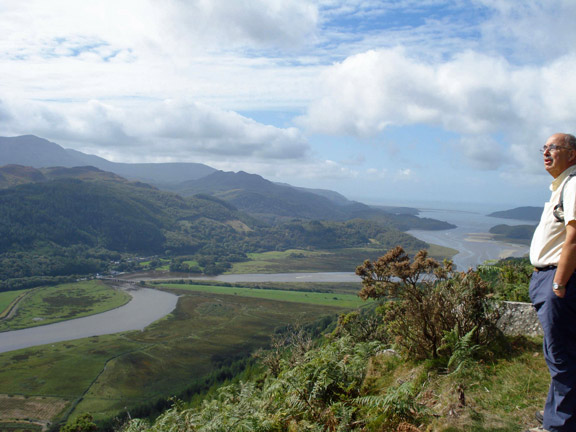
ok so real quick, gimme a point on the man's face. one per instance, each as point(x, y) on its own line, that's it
point(556, 161)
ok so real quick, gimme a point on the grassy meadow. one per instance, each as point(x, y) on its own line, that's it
point(106, 375)
point(47, 305)
point(337, 260)
point(338, 300)
point(8, 299)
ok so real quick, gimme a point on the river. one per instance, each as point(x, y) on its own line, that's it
point(470, 238)
point(147, 305)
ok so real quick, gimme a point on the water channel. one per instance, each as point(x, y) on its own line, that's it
point(147, 305)
point(470, 238)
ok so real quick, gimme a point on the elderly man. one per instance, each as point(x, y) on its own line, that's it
point(553, 284)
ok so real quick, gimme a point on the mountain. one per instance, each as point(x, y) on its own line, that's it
point(520, 213)
point(30, 150)
point(13, 175)
point(248, 192)
point(335, 197)
point(276, 202)
point(57, 222)
point(260, 197)
point(86, 206)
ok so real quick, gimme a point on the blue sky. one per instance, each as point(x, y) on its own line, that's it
point(412, 102)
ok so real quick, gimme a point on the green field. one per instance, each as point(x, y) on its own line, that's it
point(106, 375)
point(210, 326)
point(349, 301)
point(328, 287)
point(337, 260)
point(47, 305)
point(7, 298)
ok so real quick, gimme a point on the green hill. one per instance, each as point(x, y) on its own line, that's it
point(517, 233)
point(519, 213)
point(264, 199)
point(63, 221)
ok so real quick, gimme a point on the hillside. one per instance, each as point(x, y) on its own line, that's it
point(98, 209)
point(434, 359)
point(516, 234)
point(256, 195)
point(248, 192)
point(62, 221)
point(520, 213)
point(36, 152)
point(271, 201)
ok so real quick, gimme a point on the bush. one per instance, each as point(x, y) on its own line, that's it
point(509, 278)
point(431, 300)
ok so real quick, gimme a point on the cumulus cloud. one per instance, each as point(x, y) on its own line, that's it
point(260, 23)
point(472, 94)
point(37, 29)
point(530, 31)
point(482, 152)
point(168, 130)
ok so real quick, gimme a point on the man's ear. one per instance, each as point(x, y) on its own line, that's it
point(573, 156)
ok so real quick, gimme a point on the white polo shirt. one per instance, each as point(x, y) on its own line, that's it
point(550, 234)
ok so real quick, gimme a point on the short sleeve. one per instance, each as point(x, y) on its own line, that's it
point(570, 200)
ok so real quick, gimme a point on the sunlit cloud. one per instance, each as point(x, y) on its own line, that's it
point(144, 81)
point(167, 131)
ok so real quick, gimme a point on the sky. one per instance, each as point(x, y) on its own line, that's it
point(397, 102)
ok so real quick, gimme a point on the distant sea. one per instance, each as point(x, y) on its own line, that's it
point(471, 237)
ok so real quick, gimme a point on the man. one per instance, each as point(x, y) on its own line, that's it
point(553, 284)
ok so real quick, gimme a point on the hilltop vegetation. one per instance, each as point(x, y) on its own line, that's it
point(59, 222)
point(277, 202)
point(247, 192)
point(432, 359)
point(515, 233)
point(520, 213)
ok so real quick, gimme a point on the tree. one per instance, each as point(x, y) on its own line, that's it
point(83, 423)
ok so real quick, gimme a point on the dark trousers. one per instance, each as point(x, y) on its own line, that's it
point(558, 319)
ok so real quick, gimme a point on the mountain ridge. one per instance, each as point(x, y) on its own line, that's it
point(249, 192)
point(30, 150)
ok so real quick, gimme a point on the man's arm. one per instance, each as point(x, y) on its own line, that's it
point(567, 263)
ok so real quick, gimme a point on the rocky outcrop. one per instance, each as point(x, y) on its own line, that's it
point(518, 318)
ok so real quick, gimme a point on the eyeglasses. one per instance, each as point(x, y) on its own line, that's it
point(554, 147)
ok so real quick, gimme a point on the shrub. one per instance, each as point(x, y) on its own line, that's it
point(430, 300)
point(509, 278)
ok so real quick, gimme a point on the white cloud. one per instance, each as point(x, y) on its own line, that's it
point(531, 31)
point(60, 28)
point(472, 94)
point(482, 152)
point(258, 23)
point(167, 131)
point(162, 80)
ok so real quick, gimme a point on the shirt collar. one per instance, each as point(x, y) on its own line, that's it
point(557, 182)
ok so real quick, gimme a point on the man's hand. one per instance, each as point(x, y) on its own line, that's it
point(567, 263)
point(560, 292)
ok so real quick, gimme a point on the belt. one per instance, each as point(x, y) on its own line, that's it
point(539, 269)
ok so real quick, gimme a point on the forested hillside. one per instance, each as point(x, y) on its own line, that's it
point(520, 213)
point(72, 221)
point(271, 201)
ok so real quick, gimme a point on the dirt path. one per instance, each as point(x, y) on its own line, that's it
point(13, 308)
